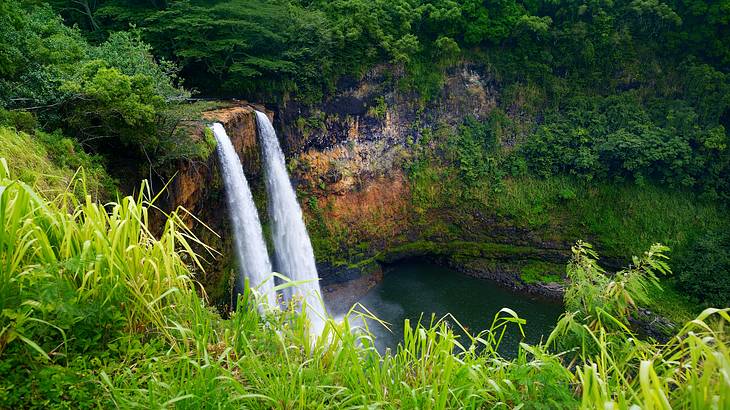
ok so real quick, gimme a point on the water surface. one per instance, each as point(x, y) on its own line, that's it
point(413, 289)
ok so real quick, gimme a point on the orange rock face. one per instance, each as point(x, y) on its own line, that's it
point(194, 181)
point(381, 210)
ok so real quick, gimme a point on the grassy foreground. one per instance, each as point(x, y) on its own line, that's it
point(97, 312)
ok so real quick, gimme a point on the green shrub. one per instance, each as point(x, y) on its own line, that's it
point(703, 268)
point(617, 138)
point(20, 120)
point(472, 147)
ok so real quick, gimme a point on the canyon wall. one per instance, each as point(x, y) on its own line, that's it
point(349, 160)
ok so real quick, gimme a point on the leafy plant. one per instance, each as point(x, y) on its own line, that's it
point(90, 331)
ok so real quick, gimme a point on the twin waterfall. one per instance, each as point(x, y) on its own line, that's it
point(248, 240)
point(293, 253)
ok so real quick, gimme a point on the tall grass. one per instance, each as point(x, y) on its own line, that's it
point(48, 163)
point(104, 254)
point(97, 312)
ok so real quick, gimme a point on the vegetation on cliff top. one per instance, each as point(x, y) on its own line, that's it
point(80, 329)
point(294, 46)
point(113, 98)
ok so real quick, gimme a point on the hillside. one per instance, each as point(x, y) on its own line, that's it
point(572, 155)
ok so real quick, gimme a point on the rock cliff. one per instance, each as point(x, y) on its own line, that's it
point(197, 187)
point(349, 158)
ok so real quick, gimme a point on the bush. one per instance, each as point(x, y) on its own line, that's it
point(20, 120)
point(703, 269)
point(471, 147)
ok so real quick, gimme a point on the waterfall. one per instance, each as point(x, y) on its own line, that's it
point(292, 247)
point(250, 248)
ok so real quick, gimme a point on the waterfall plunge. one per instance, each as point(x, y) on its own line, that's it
point(293, 250)
point(249, 242)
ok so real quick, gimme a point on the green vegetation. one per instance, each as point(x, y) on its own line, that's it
point(540, 271)
point(456, 248)
point(80, 329)
point(624, 218)
point(49, 162)
point(701, 265)
point(610, 122)
point(271, 49)
point(113, 98)
point(674, 142)
point(620, 97)
point(457, 175)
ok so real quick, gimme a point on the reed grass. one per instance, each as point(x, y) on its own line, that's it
point(98, 312)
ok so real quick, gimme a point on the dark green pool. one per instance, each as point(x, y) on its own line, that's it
point(412, 289)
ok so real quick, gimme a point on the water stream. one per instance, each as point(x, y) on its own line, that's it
point(294, 257)
point(250, 248)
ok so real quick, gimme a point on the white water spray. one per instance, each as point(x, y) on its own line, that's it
point(292, 247)
point(250, 248)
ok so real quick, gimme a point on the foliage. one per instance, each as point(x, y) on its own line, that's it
point(704, 25)
point(57, 292)
point(230, 47)
point(304, 46)
point(617, 369)
point(20, 120)
point(109, 97)
point(619, 217)
point(617, 138)
point(89, 332)
point(472, 146)
point(107, 103)
point(603, 101)
point(48, 162)
point(704, 267)
point(379, 110)
point(596, 296)
point(125, 51)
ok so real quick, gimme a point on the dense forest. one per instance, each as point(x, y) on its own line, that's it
point(611, 119)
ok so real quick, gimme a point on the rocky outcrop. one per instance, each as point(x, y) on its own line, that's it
point(366, 128)
point(197, 187)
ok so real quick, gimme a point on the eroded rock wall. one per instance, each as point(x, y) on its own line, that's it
point(349, 158)
point(198, 187)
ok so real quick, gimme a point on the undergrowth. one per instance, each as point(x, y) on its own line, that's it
point(97, 312)
point(48, 162)
point(624, 219)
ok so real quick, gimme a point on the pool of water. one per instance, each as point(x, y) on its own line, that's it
point(413, 289)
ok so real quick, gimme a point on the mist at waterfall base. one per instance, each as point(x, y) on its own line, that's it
point(413, 289)
point(294, 257)
point(248, 239)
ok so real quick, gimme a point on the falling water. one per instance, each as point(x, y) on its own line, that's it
point(249, 242)
point(293, 250)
